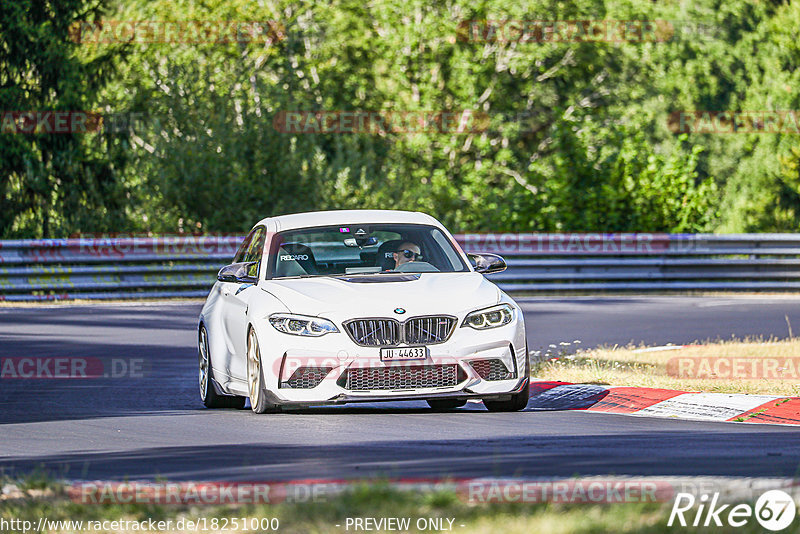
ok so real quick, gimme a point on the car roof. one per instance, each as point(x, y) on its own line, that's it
point(335, 217)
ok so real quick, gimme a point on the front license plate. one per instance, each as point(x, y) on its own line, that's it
point(404, 353)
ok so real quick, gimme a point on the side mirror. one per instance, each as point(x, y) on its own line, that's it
point(487, 263)
point(239, 273)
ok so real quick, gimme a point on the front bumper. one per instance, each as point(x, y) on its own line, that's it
point(336, 355)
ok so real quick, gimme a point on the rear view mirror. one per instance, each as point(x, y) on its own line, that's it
point(487, 263)
point(239, 273)
point(367, 242)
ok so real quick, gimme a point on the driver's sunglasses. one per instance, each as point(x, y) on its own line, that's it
point(410, 254)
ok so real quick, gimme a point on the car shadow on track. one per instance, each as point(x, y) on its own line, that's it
point(650, 453)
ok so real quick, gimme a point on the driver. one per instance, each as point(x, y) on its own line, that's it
point(405, 253)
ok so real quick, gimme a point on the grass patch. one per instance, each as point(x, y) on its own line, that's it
point(628, 366)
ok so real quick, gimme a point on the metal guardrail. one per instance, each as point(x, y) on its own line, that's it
point(643, 262)
point(133, 267)
point(112, 268)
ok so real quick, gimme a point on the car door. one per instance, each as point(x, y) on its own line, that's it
point(235, 297)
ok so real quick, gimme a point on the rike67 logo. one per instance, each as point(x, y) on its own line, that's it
point(774, 510)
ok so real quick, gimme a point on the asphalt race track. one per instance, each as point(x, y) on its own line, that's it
point(153, 424)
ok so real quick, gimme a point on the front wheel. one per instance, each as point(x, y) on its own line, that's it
point(255, 377)
point(209, 395)
point(517, 402)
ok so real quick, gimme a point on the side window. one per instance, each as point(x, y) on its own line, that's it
point(243, 247)
point(255, 249)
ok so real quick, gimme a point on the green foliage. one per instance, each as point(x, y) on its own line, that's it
point(54, 184)
point(784, 214)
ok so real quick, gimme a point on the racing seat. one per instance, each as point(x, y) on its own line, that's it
point(295, 259)
point(384, 258)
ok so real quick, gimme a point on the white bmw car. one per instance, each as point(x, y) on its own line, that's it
point(360, 306)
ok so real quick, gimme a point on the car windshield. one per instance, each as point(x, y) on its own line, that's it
point(363, 250)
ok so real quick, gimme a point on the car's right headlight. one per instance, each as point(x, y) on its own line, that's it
point(301, 325)
point(489, 317)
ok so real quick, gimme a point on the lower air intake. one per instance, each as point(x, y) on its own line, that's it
point(492, 369)
point(306, 377)
point(393, 378)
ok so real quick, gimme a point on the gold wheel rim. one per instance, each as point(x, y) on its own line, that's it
point(203, 374)
point(254, 366)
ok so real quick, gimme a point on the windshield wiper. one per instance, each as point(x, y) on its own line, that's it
point(302, 276)
point(346, 275)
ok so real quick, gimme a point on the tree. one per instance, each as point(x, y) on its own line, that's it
point(53, 183)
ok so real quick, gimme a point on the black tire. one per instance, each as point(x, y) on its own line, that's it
point(259, 402)
point(444, 405)
point(208, 394)
point(516, 403)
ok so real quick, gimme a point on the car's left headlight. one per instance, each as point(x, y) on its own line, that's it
point(489, 317)
point(301, 325)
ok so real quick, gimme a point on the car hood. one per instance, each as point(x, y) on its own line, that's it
point(378, 296)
